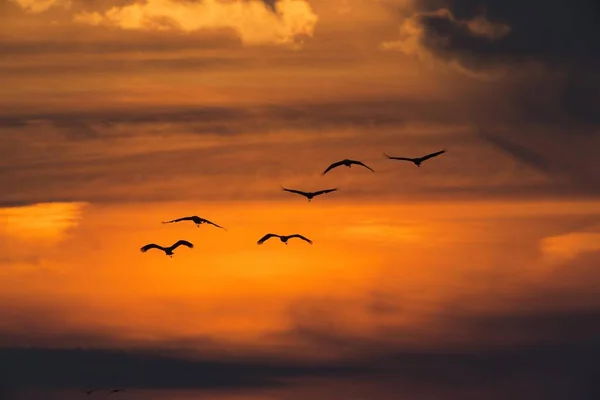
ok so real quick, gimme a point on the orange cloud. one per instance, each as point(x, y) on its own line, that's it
point(39, 6)
point(40, 221)
point(569, 246)
point(252, 21)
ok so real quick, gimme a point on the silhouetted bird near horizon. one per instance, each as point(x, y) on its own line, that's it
point(88, 392)
point(348, 163)
point(283, 238)
point(168, 250)
point(196, 219)
point(309, 195)
point(418, 160)
point(116, 391)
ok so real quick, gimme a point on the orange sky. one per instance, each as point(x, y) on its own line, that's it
point(118, 115)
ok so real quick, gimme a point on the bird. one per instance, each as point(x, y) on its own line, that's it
point(283, 238)
point(417, 160)
point(116, 391)
point(88, 392)
point(168, 250)
point(196, 219)
point(309, 195)
point(348, 163)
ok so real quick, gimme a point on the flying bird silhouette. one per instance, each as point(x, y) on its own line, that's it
point(283, 238)
point(418, 160)
point(168, 250)
point(116, 391)
point(348, 163)
point(196, 219)
point(309, 195)
point(88, 392)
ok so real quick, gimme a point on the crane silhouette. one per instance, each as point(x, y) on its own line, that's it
point(309, 195)
point(417, 160)
point(196, 219)
point(348, 163)
point(168, 250)
point(283, 238)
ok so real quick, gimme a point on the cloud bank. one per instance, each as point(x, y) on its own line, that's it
point(253, 21)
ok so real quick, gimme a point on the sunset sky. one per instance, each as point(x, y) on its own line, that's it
point(475, 276)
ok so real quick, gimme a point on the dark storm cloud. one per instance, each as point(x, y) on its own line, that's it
point(562, 31)
point(562, 35)
point(71, 368)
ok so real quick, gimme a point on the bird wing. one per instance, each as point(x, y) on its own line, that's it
point(399, 158)
point(151, 246)
point(182, 243)
point(295, 191)
point(364, 165)
point(324, 191)
point(179, 219)
point(266, 237)
point(212, 223)
point(332, 166)
point(300, 237)
point(428, 156)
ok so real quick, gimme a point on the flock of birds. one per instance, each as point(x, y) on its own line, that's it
point(283, 238)
point(309, 195)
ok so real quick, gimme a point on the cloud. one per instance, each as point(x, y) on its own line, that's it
point(415, 39)
point(414, 30)
point(40, 6)
point(569, 246)
point(40, 221)
point(521, 355)
point(548, 62)
point(562, 32)
point(523, 154)
point(571, 168)
point(253, 21)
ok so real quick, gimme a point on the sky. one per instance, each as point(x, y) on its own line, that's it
point(473, 276)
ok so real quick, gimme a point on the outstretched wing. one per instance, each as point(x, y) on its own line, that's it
point(151, 246)
point(324, 191)
point(300, 192)
point(300, 237)
point(428, 156)
point(266, 237)
point(179, 219)
point(332, 166)
point(399, 158)
point(212, 223)
point(364, 165)
point(182, 243)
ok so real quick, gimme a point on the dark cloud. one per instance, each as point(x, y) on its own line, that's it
point(558, 362)
point(271, 4)
point(523, 154)
point(382, 111)
point(562, 31)
point(84, 368)
point(562, 36)
point(571, 168)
